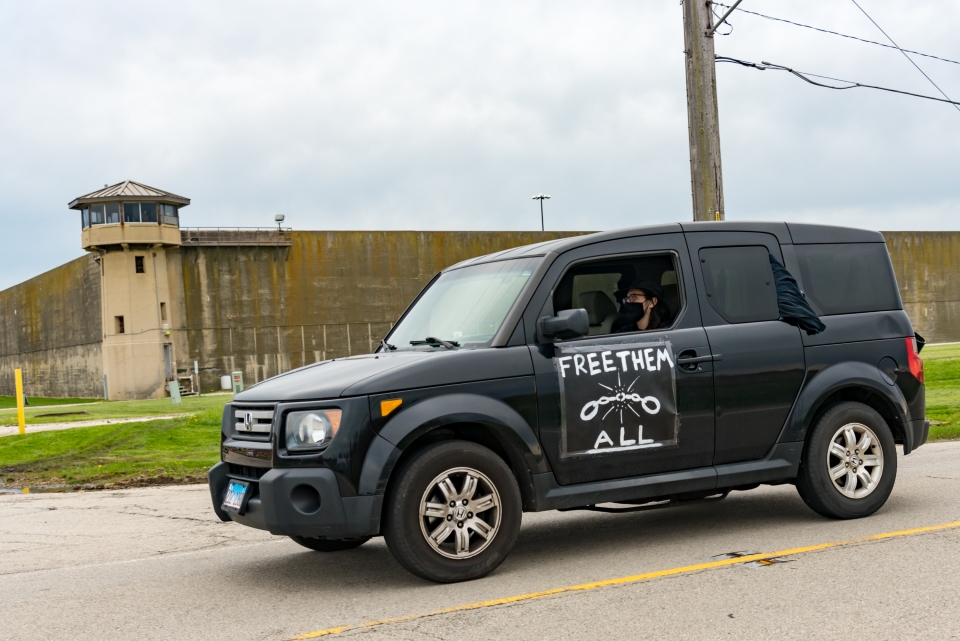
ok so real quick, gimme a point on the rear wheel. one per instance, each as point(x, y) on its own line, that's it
point(453, 512)
point(330, 545)
point(850, 463)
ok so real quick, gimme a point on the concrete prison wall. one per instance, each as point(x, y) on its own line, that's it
point(265, 310)
point(50, 327)
point(927, 265)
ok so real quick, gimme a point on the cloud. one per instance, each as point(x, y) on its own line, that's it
point(438, 115)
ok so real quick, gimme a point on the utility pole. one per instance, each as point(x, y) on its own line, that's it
point(706, 176)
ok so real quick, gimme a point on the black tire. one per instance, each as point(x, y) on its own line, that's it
point(815, 483)
point(416, 481)
point(329, 545)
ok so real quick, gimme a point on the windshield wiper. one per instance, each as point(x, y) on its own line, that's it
point(436, 342)
point(387, 346)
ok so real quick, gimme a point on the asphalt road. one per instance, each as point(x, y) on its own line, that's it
point(157, 564)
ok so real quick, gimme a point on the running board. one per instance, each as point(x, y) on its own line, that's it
point(673, 501)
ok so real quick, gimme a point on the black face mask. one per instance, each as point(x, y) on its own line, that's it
point(633, 311)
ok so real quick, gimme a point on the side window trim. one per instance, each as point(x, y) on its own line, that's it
point(697, 240)
point(653, 242)
point(678, 270)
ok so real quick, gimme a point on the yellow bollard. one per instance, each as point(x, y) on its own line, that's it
point(20, 419)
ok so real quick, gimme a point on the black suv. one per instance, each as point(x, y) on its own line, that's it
point(503, 389)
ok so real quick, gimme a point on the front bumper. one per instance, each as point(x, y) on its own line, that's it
point(299, 502)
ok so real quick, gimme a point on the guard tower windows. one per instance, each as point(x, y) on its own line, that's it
point(170, 215)
point(112, 215)
point(141, 212)
point(138, 264)
point(96, 214)
point(148, 212)
point(131, 212)
point(117, 216)
point(118, 324)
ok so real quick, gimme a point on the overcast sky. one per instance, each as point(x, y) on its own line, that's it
point(451, 115)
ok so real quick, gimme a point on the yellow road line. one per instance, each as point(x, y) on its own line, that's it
point(624, 580)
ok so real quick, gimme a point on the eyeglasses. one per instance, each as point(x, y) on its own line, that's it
point(635, 298)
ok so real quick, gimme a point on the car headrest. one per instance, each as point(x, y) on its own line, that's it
point(671, 293)
point(598, 306)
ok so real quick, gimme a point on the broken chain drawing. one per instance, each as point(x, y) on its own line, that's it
point(592, 407)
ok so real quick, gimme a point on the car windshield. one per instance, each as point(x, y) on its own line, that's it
point(464, 307)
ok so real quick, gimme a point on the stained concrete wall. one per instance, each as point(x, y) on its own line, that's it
point(266, 310)
point(927, 265)
point(50, 327)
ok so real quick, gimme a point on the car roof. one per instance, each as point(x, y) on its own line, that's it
point(786, 233)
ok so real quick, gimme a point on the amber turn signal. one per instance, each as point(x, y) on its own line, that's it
point(388, 406)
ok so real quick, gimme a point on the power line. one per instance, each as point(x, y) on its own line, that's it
point(806, 77)
point(837, 33)
point(955, 105)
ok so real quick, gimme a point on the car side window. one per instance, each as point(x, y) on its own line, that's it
point(598, 286)
point(739, 282)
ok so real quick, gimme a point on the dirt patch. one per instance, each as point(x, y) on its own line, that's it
point(62, 414)
point(152, 481)
point(61, 485)
point(12, 430)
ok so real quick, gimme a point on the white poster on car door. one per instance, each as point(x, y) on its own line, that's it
point(617, 397)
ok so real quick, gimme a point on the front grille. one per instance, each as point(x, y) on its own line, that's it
point(251, 420)
point(248, 472)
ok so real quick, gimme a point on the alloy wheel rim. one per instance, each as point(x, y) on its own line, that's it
point(460, 513)
point(855, 460)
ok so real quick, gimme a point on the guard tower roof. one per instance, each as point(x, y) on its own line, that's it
point(128, 190)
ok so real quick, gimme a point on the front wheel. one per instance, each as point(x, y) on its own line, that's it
point(453, 512)
point(850, 463)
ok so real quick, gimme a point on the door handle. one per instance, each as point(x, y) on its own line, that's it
point(690, 360)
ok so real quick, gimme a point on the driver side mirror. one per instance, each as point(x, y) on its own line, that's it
point(570, 323)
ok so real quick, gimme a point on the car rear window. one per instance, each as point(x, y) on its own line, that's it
point(848, 278)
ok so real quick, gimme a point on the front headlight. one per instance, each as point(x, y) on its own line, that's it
point(311, 430)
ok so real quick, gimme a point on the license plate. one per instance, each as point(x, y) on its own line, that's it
point(236, 491)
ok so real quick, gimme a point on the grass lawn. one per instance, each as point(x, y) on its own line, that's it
point(116, 409)
point(177, 450)
point(11, 401)
point(941, 373)
point(182, 449)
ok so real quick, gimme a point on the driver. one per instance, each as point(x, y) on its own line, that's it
point(642, 307)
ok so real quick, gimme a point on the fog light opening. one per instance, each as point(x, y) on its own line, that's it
point(305, 499)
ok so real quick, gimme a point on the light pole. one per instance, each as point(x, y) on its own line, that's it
point(541, 198)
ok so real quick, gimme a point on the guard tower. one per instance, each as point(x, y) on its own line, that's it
point(132, 228)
